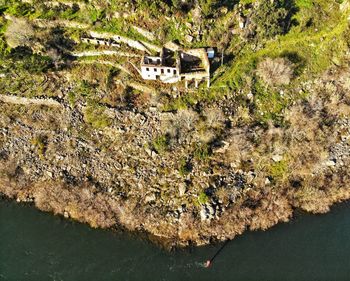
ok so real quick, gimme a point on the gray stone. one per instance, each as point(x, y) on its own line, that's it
point(189, 38)
point(330, 163)
point(150, 198)
point(182, 189)
point(203, 214)
point(277, 158)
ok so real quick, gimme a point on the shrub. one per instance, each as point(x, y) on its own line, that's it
point(186, 119)
point(40, 143)
point(160, 144)
point(201, 152)
point(215, 118)
point(185, 167)
point(274, 72)
point(20, 9)
point(23, 58)
point(203, 198)
point(95, 116)
point(273, 17)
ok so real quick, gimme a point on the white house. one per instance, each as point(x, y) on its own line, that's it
point(172, 66)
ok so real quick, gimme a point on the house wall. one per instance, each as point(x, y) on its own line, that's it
point(97, 41)
point(152, 60)
point(152, 72)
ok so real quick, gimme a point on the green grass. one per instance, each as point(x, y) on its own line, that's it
point(278, 170)
point(190, 99)
point(161, 144)
point(269, 104)
point(40, 142)
point(184, 167)
point(304, 4)
point(95, 116)
point(318, 46)
point(203, 198)
point(312, 49)
point(202, 152)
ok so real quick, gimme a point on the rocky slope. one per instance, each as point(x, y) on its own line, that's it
point(83, 136)
point(252, 178)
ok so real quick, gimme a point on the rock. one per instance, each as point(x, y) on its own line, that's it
point(250, 177)
point(267, 181)
point(66, 214)
point(150, 198)
point(250, 96)
point(148, 151)
point(223, 10)
point(189, 38)
point(330, 163)
point(203, 214)
point(277, 158)
point(223, 148)
point(188, 25)
point(182, 189)
point(211, 209)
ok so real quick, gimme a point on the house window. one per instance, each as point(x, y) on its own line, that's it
point(147, 68)
point(162, 71)
point(155, 70)
point(168, 70)
point(174, 71)
point(158, 61)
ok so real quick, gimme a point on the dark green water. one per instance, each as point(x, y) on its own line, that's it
point(38, 246)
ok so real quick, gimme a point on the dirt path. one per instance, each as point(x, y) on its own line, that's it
point(29, 101)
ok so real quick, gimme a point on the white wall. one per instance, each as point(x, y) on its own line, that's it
point(150, 72)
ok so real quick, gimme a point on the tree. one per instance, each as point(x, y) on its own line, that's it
point(273, 17)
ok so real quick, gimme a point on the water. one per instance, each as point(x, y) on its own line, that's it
point(39, 246)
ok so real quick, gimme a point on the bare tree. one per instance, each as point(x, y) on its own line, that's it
point(275, 72)
point(19, 33)
point(215, 118)
point(186, 119)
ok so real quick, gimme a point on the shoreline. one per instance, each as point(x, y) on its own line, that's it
point(162, 241)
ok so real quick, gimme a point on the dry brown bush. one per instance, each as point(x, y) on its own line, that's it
point(240, 148)
point(83, 204)
point(179, 125)
point(273, 209)
point(275, 72)
point(215, 118)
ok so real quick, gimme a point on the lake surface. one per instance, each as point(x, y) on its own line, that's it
point(39, 246)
